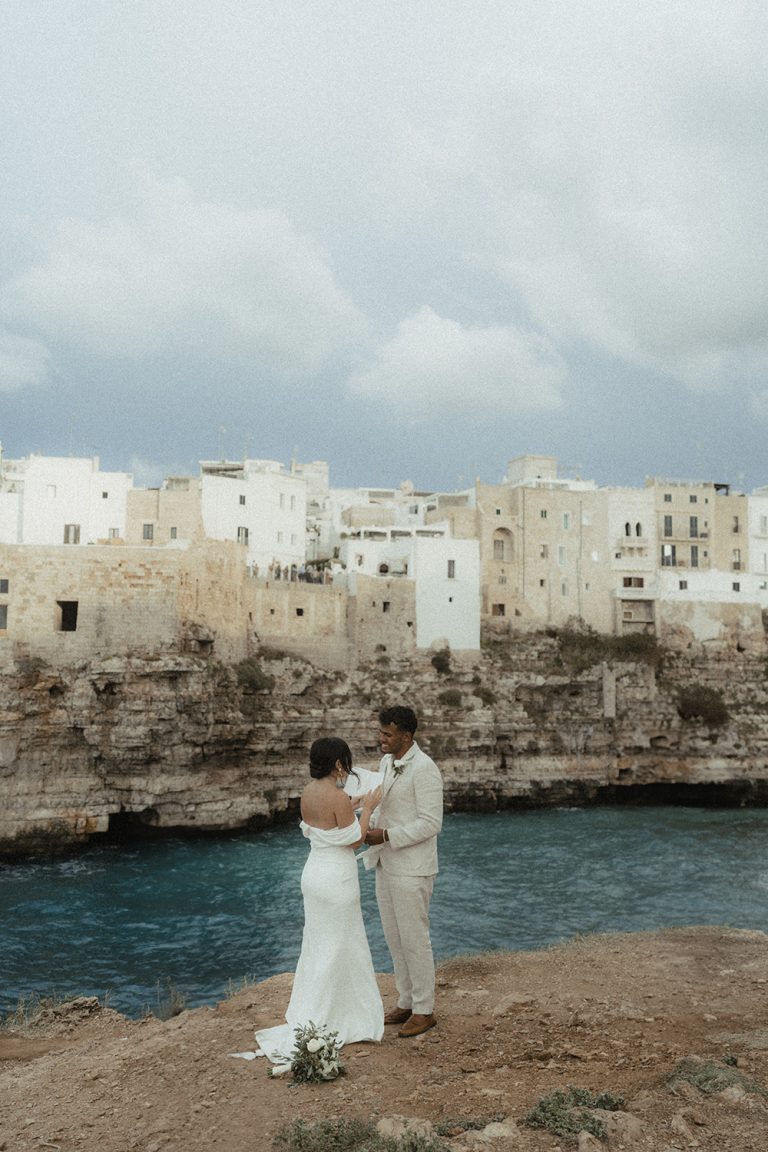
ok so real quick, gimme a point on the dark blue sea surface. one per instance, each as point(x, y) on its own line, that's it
point(201, 913)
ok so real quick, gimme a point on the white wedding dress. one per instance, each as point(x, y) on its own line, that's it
point(335, 984)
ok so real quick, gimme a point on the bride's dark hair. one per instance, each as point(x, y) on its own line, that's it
point(323, 756)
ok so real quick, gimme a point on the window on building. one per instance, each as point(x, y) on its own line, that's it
point(502, 579)
point(279, 537)
point(566, 520)
point(543, 513)
point(51, 491)
point(3, 617)
point(693, 526)
point(114, 534)
point(638, 529)
point(634, 581)
point(627, 529)
point(736, 559)
point(498, 511)
point(282, 499)
point(736, 524)
point(498, 549)
point(563, 587)
point(299, 611)
point(105, 495)
point(667, 525)
point(293, 537)
point(668, 556)
point(71, 533)
point(242, 498)
point(385, 605)
point(451, 569)
point(693, 499)
point(561, 554)
point(293, 503)
point(544, 551)
point(764, 525)
point(147, 531)
point(3, 586)
point(497, 610)
point(242, 536)
point(736, 586)
point(66, 615)
point(667, 497)
point(174, 533)
point(542, 583)
point(694, 555)
point(682, 584)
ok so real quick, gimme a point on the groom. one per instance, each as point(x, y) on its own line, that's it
point(404, 854)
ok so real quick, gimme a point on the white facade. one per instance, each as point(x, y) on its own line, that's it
point(258, 505)
point(757, 528)
point(446, 574)
point(61, 500)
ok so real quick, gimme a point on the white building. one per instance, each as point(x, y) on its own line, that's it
point(445, 573)
point(258, 504)
point(61, 500)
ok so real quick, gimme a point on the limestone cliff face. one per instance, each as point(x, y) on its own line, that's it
point(175, 741)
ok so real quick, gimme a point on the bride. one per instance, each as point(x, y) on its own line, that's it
point(335, 985)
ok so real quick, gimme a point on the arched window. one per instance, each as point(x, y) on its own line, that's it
point(503, 545)
point(627, 529)
point(638, 529)
point(383, 569)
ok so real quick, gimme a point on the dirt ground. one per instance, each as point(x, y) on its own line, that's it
point(608, 1013)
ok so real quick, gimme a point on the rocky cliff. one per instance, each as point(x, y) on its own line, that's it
point(125, 746)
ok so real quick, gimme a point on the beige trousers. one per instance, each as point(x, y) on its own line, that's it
point(404, 909)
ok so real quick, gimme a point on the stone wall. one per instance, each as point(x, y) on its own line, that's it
point(70, 604)
point(176, 741)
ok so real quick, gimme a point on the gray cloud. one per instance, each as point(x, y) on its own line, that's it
point(456, 207)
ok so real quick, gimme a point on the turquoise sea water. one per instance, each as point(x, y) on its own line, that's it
point(201, 913)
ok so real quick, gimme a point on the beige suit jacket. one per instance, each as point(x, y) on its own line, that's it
point(411, 810)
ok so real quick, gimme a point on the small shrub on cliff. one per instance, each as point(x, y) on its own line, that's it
point(451, 697)
point(350, 1136)
point(441, 661)
point(251, 675)
point(484, 694)
point(710, 1077)
point(565, 1113)
point(702, 703)
point(582, 648)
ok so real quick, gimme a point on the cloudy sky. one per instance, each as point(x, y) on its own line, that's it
point(414, 239)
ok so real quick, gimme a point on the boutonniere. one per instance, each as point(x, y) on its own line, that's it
point(398, 766)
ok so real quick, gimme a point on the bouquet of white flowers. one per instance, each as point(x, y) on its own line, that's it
point(315, 1055)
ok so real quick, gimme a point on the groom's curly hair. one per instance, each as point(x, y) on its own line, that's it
point(402, 717)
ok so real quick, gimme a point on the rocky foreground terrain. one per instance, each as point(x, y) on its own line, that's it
point(675, 1022)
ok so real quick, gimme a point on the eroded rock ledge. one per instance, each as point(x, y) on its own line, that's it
point(178, 742)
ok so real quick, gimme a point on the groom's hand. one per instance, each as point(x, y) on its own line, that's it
point(374, 836)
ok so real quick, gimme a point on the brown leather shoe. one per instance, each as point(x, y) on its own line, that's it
point(417, 1024)
point(397, 1016)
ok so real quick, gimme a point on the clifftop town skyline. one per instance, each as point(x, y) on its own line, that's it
point(381, 570)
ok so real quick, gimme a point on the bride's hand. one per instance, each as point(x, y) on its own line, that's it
point(372, 800)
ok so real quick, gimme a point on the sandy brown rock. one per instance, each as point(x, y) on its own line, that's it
point(611, 1013)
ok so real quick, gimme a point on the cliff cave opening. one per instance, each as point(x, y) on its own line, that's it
point(128, 826)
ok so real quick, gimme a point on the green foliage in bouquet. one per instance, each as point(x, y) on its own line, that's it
point(316, 1055)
